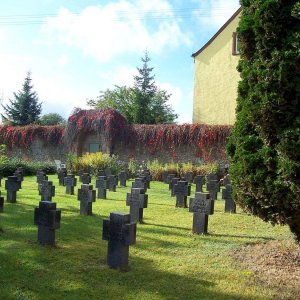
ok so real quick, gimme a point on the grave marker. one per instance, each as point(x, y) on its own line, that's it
point(182, 189)
point(140, 183)
point(189, 176)
point(47, 218)
point(46, 190)
point(230, 205)
point(213, 187)
point(70, 181)
point(41, 176)
point(226, 180)
point(212, 176)
point(12, 185)
point(200, 206)
point(137, 200)
point(120, 234)
point(1, 177)
point(101, 185)
point(172, 184)
point(112, 182)
point(86, 178)
point(61, 174)
point(86, 195)
point(1, 203)
point(19, 174)
point(108, 171)
point(123, 178)
point(169, 179)
point(164, 176)
point(199, 180)
point(146, 173)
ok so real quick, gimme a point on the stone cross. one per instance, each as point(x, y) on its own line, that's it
point(47, 218)
point(182, 189)
point(86, 195)
point(41, 176)
point(199, 180)
point(137, 200)
point(123, 178)
point(100, 173)
point(1, 203)
point(200, 206)
point(189, 176)
point(172, 184)
point(230, 205)
point(47, 190)
point(213, 187)
point(101, 185)
point(70, 181)
point(164, 176)
point(12, 185)
point(120, 234)
point(86, 178)
point(112, 182)
point(140, 183)
point(212, 176)
point(169, 179)
point(62, 173)
point(19, 174)
point(226, 180)
point(108, 171)
point(146, 173)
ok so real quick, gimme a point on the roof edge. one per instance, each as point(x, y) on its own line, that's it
point(217, 33)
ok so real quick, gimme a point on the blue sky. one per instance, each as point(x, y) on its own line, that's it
point(76, 48)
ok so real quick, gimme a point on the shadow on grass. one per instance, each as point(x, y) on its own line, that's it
point(167, 226)
point(90, 278)
point(241, 236)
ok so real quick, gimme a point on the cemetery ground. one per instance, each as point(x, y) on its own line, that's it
point(167, 262)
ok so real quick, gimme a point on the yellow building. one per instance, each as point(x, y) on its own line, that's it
point(216, 78)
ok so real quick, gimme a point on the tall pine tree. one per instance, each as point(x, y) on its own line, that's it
point(145, 90)
point(25, 108)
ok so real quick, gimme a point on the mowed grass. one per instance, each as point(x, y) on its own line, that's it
point(167, 262)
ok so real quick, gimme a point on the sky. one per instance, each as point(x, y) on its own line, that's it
point(76, 48)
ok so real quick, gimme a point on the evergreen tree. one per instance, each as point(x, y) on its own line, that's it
point(144, 103)
point(25, 108)
point(265, 143)
point(145, 90)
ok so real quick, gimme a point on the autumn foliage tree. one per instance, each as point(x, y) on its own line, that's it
point(265, 143)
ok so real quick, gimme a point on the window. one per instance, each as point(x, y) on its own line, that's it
point(235, 44)
point(94, 147)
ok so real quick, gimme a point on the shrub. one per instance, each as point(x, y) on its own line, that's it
point(94, 162)
point(265, 143)
point(157, 169)
point(8, 166)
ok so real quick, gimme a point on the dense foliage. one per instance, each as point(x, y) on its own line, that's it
point(25, 108)
point(22, 136)
point(265, 143)
point(106, 121)
point(144, 103)
point(207, 141)
point(52, 119)
point(93, 163)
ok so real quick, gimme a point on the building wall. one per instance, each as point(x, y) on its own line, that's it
point(216, 80)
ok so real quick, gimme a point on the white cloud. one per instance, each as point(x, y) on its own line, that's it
point(119, 27)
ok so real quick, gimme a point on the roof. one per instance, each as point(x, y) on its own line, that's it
point(218, 32)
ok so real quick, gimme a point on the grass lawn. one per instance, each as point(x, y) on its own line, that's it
point(167, 262)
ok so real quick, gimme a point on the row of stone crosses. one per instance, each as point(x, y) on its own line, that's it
point(120, 228)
